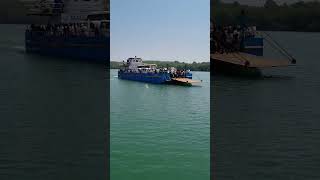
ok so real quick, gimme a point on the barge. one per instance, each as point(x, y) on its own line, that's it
point(135, 70)
point(75, 29)
point(247, 59)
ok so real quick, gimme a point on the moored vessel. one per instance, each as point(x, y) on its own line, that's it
point(134, 69)
point(239, 51)
point(76, 30)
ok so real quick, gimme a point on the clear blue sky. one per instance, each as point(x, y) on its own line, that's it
point(160, 29)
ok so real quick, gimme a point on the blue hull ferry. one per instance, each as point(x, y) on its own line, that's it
point(134, 69)
point(155, 78)
point(94, 48)
point(75, 30)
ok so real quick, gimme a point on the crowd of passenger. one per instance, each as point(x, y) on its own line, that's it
point(71, 29)
point(174, 73)
point(226, 39)
point(179, 73)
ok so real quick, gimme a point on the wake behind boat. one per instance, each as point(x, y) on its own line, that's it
point(134, 69)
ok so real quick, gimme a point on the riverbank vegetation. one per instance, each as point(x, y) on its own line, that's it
point(298, 16)
point(195, 66)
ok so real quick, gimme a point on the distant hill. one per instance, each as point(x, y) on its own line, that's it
point(200, 66)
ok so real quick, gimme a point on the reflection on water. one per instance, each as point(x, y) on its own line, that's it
point(159, 131)
point(269, 128)
point(52, 114)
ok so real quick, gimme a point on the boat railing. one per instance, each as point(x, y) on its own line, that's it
point(48, 34)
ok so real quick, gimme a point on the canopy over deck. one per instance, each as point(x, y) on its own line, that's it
point(248, 60)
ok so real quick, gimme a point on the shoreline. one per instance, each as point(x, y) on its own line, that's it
point(192, 71)
point(195, 66)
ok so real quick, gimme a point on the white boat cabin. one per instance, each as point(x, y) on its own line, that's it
point(137, 64)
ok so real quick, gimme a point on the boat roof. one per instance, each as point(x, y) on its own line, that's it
point(249, 60)
point(135, 58)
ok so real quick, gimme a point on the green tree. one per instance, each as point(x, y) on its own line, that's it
point(236, 3)
point(215, 2)
point(270, 4)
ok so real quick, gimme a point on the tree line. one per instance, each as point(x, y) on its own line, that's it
point(299, 16)
point(195, 66)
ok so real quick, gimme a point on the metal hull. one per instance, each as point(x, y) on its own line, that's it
point(154, 78)
point(225, 68)
point(95, 49)
point(252, 45)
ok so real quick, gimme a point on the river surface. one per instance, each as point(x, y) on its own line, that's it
point(160, 131)
point(52, 114)
point(269, 128)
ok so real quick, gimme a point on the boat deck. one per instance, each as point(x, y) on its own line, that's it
point(185, 81)
point(248, 60)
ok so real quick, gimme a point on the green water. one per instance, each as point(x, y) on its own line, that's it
point(159, 131)
point(269, 129)
point(52, 114)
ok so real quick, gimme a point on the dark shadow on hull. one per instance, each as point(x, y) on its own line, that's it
point(45, 57)
point(234, 70)
point(168, 83)
point(177, 83)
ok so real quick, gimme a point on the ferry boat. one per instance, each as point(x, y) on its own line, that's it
point(134, 69)
point(248, 59)
point(76, 29)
